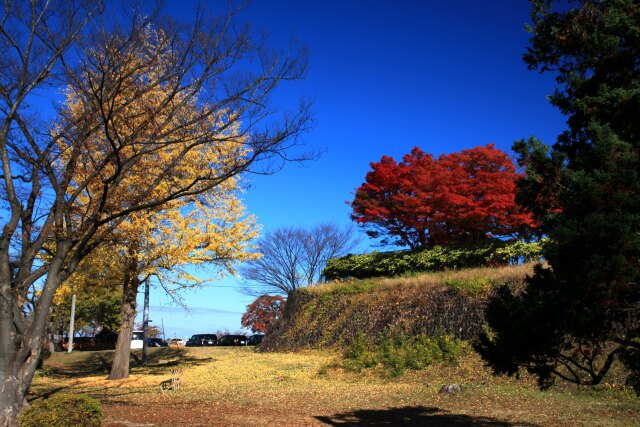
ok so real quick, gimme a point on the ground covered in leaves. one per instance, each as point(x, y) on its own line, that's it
point(225, 386)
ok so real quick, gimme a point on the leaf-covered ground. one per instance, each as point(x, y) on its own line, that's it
point(237, 386)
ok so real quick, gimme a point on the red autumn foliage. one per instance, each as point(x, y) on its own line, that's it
point(423, 201)
point(262, 313)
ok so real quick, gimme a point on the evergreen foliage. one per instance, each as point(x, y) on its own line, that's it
point(582, 310)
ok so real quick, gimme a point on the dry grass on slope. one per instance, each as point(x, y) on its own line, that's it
point(512, 274)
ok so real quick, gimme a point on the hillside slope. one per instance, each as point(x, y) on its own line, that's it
point(332, 314)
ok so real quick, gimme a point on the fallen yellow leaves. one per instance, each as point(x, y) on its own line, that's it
point(134, 381)
point(237, 386)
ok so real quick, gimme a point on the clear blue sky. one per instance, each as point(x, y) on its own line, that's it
point(385, 76)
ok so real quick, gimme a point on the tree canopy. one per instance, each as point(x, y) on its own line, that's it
point(293, 257)
point(97, 282)
point(422, 201)
point(158, 111)
point(581, 311)
point(263, 312)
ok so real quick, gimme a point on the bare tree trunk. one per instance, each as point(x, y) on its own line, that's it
point(15, 384)
point(20, 347)
point(120, 367)
point(59, 344)
point(10, 398)
point(56, 203)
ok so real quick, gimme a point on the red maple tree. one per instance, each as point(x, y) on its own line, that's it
point(423, 201)
point(262, 313)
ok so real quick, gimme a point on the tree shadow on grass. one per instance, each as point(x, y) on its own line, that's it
point(412, 416)
point(94, 363)
point(100, 394)
point(44, 394)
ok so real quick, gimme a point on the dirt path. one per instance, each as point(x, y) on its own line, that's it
point(211, 414)
point(201, 414)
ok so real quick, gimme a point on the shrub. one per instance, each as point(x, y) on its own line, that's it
point(360, 354)
point(519, 252)
point(631, 359)
point(437, 258)
point(63, 410)
point(396, 354)
point(469, 286)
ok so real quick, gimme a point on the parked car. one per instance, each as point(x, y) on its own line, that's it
point(137, 340)
point(156, 342)
point(175, 342)
point(202, 340)
point(255, 339)
point(106, 340)
point(233, 340)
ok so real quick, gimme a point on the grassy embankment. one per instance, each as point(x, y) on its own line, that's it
point(237, 386)
point(331, 315)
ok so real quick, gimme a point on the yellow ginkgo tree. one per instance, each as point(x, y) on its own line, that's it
point(211, 232)
point(155, 112)
point(97, 282)
point(210, 227)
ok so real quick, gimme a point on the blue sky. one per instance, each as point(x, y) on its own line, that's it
point(385, 76)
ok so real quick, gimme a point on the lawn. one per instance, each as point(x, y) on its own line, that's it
point(225, 386)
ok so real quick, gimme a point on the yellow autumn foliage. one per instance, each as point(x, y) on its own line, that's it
point(104, 267)
point(139, 152)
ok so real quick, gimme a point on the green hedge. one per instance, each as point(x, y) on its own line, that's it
point(63, 410)
point(388, 264)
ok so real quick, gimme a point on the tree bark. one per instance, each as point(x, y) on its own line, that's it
point(20, 346)
point(10, 399)
point(15, 383)
point(120, 367)
point(54, 204)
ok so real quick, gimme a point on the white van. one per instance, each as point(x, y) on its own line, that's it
point(137, 339)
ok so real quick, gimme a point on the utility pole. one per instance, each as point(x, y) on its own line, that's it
point(145, 323)
point(72, 322)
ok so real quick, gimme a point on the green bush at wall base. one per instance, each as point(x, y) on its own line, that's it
point(396, 354)
point(63, 410)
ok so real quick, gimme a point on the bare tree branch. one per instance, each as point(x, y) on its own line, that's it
point(65, 172)
point(293, 257)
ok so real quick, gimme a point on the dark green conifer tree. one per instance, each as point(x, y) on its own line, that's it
point(581, 311)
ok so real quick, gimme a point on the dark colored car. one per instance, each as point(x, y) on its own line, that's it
point(255, 339)
point(202, 340)
point(156, 342)
point(233, 340)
